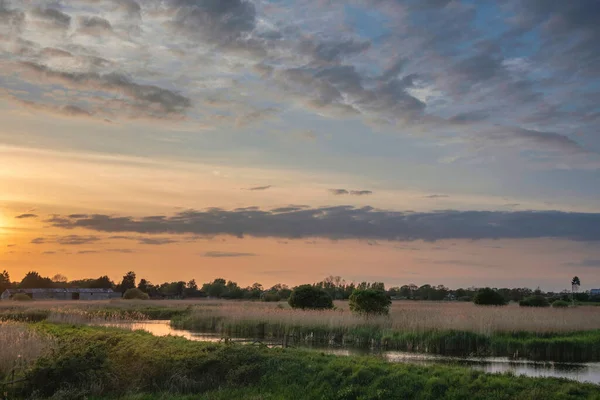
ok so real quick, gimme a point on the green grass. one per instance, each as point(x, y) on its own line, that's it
point(581, 346)
point(110, 363)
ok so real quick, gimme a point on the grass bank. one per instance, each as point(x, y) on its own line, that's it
point(111, 363)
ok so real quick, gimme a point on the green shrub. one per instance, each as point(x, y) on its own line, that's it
point(270, 297)
point(135, 294)
point(310, 297)
point(489, 297)
point(560, 304)
point(21, 297)
point(535, 301)
point(369, 302)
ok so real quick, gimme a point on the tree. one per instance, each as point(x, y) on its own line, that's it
point(216, 288)
point(60, 278)
point(575, 284)
point(310, 297)
point(33, 280)
point(102, 282)
point(143, 285)
point(128, 282)
point(4, 281)
point(370, 302)
point(489, 297)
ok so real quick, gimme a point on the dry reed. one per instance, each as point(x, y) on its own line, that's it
point(20, 347)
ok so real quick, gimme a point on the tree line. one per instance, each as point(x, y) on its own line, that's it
point(335, 286)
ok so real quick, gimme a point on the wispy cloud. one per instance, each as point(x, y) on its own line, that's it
point(225, 254)
point(26, 216)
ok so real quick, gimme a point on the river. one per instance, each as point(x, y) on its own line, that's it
point(584, 372)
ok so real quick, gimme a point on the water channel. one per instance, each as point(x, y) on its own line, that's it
point(584, 372)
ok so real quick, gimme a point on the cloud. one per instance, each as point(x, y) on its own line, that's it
point(226, 254)
point(437, 196)
point(591, 263)
point(346, 222)
point(26, 216)
point(156, 241)
point(141, 99)
point(70, 240)
point(52, 18)
point(360, 192)
point(258, 188)
point(338, 192)
point(94, 26)
point(341, 192)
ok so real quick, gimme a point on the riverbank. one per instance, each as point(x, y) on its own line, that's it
point(109, 363)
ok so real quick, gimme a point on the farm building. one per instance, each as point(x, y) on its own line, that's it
point(63, 294)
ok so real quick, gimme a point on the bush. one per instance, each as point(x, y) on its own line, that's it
point(535, 301)
point(370, 302)
point(489, 297)
point(270, 297)
point(311, 297)
point(21, 297)
point(560, 304)
point(135, 294)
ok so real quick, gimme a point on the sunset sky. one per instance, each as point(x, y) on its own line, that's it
point(434, 141)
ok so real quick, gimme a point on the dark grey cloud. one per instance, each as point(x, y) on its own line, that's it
point(38, 240)
point(55, 18)
point(437, 196)
point(87, 252)
point(260, 188)
point(225, 254)
point(11, 19)
point(360, 192)
point(338, 192)
point(148, 100)
point(26, 216)
point(94, 26)
point(346, 222)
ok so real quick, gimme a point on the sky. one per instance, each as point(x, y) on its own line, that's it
point(445, 142)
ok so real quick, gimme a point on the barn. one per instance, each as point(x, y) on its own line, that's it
point(63, 294)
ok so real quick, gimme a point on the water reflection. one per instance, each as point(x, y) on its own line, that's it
point(588, 372)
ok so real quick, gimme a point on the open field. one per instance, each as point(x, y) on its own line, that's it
point(110, 363)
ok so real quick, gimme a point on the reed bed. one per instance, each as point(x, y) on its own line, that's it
point(413, 317)
point(20, 347)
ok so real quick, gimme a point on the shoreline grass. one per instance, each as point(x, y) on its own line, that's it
point(100, 363)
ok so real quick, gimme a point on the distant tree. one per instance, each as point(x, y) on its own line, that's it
point(489, 297)
point(575, 284)
point(102, 282)
point(254, 292)
point(135, 294)
point(60, 279)
point(535, 301)
point(128, 282)
point(4, 281)
point(370, 302)
point(33, 280)
point(216, 288)
point(191, 289)
point(143, 285)
point(280, 290)
point(310, 297)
